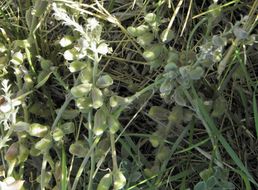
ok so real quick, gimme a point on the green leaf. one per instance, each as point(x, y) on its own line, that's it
point(42, 78)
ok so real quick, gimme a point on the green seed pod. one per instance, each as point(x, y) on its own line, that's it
point(28, 82)
point(23, 153)
point(81, 90)
point(76, 66)
point(84, 104)
point(176, 116)
point(119, 180)
point(145, 39)
point(159, 113)
point(196, 73)
point(38, 130)
point(100, 122)
point(21, 126)
point(150, 18)
point(142, 29)
point(155, 139)
point(67, 128)
point(69, 114)
point(188, 115)
point(47, 178)
point(43, 144)
point(167, 35)
point(113, 124)
point(163, 154)
point(104, 81)
point(173, 56)
point(148, 172)
point(105, 182)
point(115, 101)
point(78, 149)
point(58, 134)
point(153, 52)
point(219, 107)
point(58, 171)
point(86, 74)
point(12, 152)
point(45, 64)
point(34, 152)
point(97, 98)
point(132, 31)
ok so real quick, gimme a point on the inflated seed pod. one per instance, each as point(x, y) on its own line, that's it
point(81, 90)
point(115, 101)
point(159, 113)
point(105, 182)
point(28, 81)
point(43, 144)
point(47, 178)
point(145, 39)
point(100, 122)
point(84, 104)
point(38, 130)
point(163, 154)
point(86, 74)
point(167, 35)
point(34, 151)
point(23, 153)
point(12, 152)
point(176, 116)
point(173, 56)
point(113, 124)
point(196, 73)
point(76, 66)
point(155, 139)
point(132, 31)
point(78, 149)
point(58, 134)
point(67, 127)
point(142, 29)
point(150, 18)
point(153, 52)
point(104, 81)
point(97, 98)
point(119, 180)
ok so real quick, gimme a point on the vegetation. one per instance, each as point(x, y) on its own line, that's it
point(117, 94)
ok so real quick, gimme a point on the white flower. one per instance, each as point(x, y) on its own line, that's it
point(92, 23)
point(10, 183)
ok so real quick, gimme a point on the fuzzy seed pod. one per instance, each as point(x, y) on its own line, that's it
point(113, 124)
point(86, 74)
point(81, 90)
point(43, 144)
point(104, 81)
point(167, 35)
point(97, 98)
point(153, 52)
point(142, 29)
point(76, 66)
point(38, 130)
point(23, 153)
point(105, 182)
point(84, 104)
point(12, 152)
point(119, 180)
point(67, 128)
point(150, 18)
point(100, 122)
point(132, 31)
point(58, 134)
point(78, 149)
point(145, 39)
